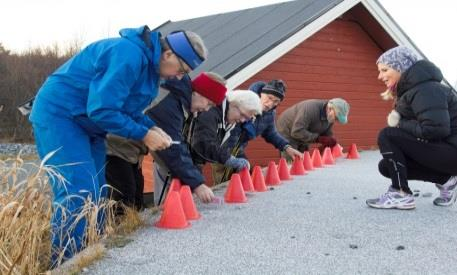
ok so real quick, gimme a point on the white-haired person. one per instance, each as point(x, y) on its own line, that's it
point(102, 89)
point(421, 140)
point(211, 130)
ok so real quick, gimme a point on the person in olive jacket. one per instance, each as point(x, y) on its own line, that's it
point(421, 140)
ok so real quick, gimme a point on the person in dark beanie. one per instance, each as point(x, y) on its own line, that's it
point(311, 121)
point(421, 140)
point(271, 95)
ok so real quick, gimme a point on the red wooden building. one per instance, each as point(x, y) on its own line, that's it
point(320, 48)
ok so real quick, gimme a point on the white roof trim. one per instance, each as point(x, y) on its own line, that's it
point(389, 25)
point(290, 43)
point(373, 7)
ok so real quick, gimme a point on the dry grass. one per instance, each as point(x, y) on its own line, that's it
point(129, 222)
point(25, 212)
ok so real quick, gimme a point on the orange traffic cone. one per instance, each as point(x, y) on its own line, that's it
point(352, 152)
point(173, 216)
point(235, 192)
point(316, 158)
point(188, 204)
point(283, 170)
point(175, 185)
point(246, 180)
point(272, 175)
point(307, 163)
point(337, 151)
point(297, 167)
point(327, 157)
point(257, 180)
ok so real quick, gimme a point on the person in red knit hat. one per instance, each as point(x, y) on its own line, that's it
point(175, 106)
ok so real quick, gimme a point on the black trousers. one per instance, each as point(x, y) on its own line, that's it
point(407, 157)
point(126, 180)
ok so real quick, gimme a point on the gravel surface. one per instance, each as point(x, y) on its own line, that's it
point(314, 224)
point(11, 149)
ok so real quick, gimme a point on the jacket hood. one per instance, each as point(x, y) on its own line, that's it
point(181, 89)
point(135, 35)
point(421, 71)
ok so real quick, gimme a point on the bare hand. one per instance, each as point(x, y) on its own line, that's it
point(156, 139)
point(204, 193)
point(293, 152)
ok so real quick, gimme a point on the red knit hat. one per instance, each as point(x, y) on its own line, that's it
point(209, 88)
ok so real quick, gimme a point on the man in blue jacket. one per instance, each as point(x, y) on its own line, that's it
point(181, 100)
point(103, 89)
point(271, 95)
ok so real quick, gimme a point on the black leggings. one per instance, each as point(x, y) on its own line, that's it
point(407, 157)
point(127, 180)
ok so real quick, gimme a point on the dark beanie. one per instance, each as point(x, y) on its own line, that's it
point(276, 88)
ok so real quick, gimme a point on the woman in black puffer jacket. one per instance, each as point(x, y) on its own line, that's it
point(421, 142)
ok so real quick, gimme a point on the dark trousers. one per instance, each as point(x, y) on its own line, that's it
point(127, 182)
point(407, 157)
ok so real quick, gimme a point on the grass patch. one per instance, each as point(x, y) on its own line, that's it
point(25, 213)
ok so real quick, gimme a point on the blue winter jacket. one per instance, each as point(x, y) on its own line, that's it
point(263, 125)
point(170, 115)
point(106, 86)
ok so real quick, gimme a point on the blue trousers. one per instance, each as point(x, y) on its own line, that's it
point(79, 157)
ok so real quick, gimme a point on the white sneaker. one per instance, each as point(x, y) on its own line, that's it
point(393, 199)
point(448, 192)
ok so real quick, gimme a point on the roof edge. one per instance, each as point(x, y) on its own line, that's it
point(266, 58)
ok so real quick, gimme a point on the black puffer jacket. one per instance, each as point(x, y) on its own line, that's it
point(428, 108)
point(209, 136)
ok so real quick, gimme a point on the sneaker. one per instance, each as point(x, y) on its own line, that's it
point(393, 199)
point(448, 192)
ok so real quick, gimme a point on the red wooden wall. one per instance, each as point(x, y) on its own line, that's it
point(337, 61)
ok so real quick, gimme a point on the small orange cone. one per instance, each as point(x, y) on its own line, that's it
point(257, 180)
point(297, 167)
point(188, 204)
point(175, 185)
point(235, 192)
point(337, 151)
point(246, 180)
point(307, 163)
point(352, 152)
point(272, 175)
point(327, 158)
point(316, 158)
point(173, 216)
point(283, 170)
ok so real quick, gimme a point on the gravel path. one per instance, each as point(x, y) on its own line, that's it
point(12, 149)
point(314, 224)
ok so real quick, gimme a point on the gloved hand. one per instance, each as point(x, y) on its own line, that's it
point(326, 141)
point(393, 119)
point(237, 163)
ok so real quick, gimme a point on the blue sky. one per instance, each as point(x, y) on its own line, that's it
point(29, 23)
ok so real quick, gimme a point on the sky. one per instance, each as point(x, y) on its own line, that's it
point(30, 23)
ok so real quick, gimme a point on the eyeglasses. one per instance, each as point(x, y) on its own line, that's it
point(244, 115)
point(182, 70)
point(274, 99)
